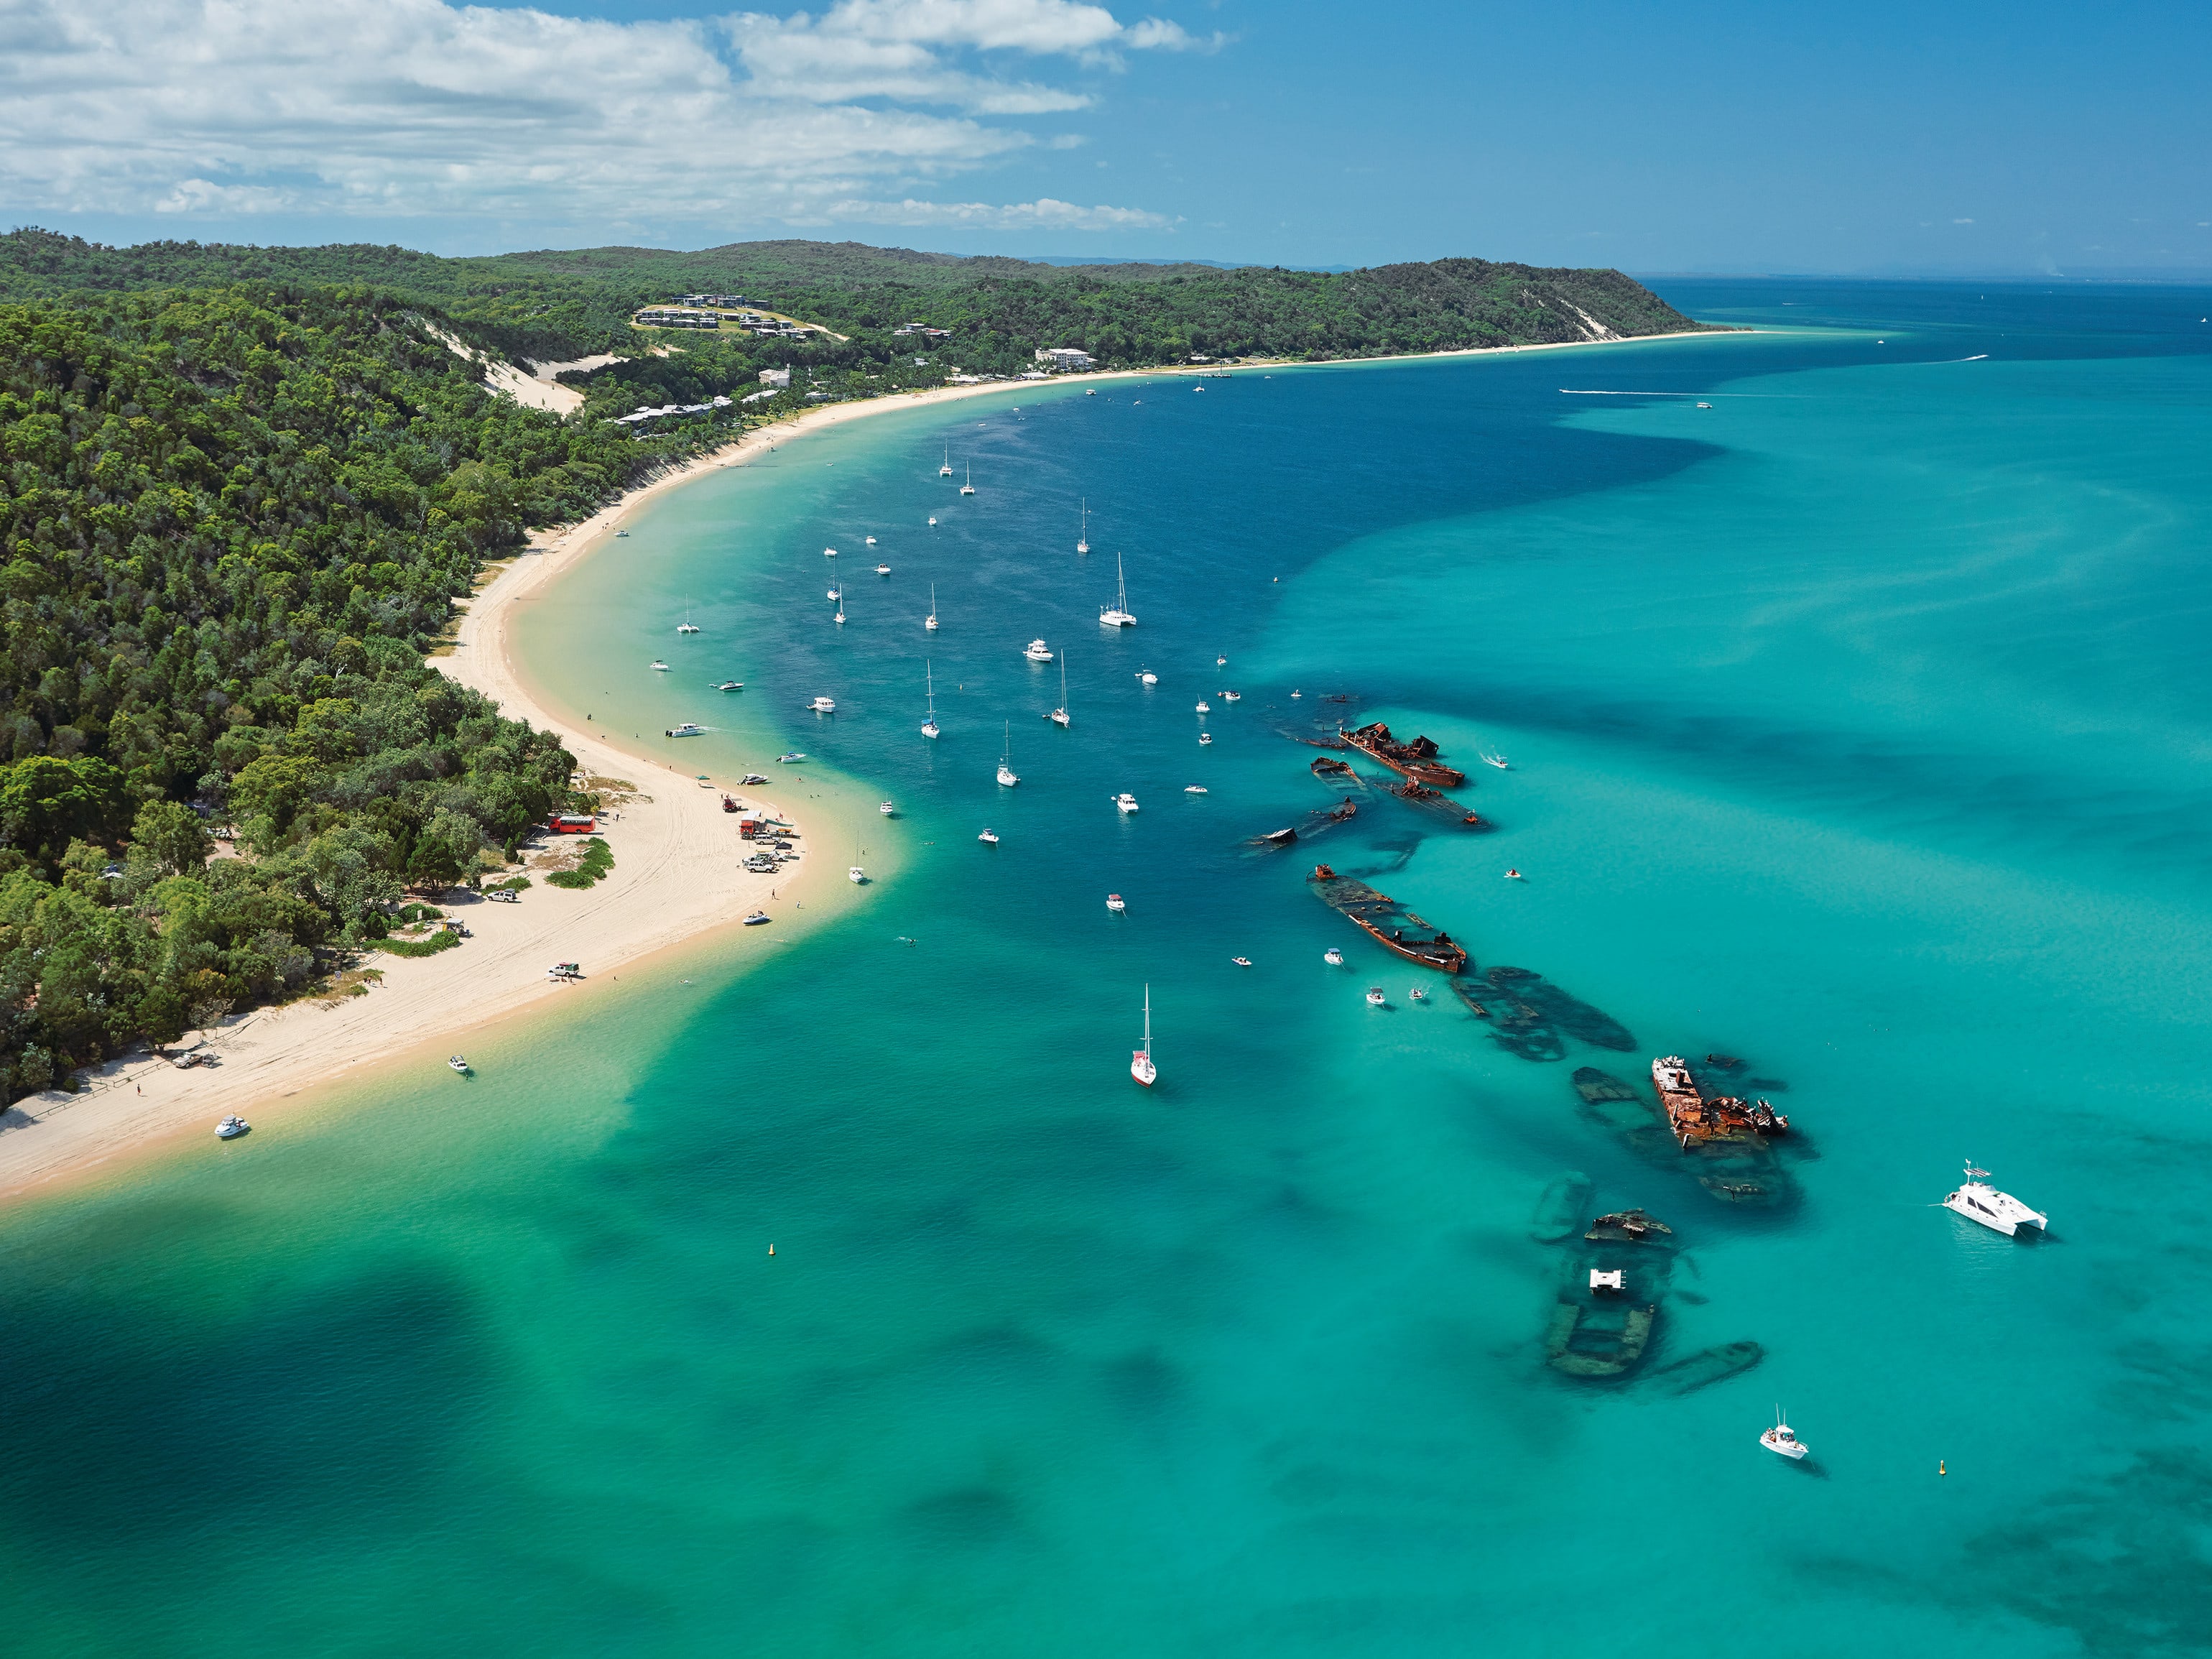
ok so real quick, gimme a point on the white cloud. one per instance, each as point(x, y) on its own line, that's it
point(1043, 214)
point(417, 108)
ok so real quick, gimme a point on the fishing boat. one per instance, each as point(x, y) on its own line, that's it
point(1332, 957)
point(823, 705)
point(657, 666)
point(968, 488)
point(1037, 650)
point(457, 1063)
point(1977, 1201)
point(1116, 903)
point(930, 621)
point(929, 727)
point(1193, 789)
point(945, 471)
point(1058, 716)
point(1125, 802)
point(1117, 615)
point(1416, 760)
point(989, 837)
point(730, 686)
point(1141, 1062)
point(1375, 996)
point(1007, 776)
point(688, 729)
point(1782, 1441)
point(1384, 919)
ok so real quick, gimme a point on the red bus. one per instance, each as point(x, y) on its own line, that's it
point(573, 823)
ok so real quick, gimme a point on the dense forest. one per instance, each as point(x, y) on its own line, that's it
point(241, 488)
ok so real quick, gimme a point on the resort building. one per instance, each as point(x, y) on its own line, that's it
point(1063, 357)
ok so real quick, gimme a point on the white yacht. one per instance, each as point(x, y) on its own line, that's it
point(1332, 957)
point(457, 1063)
point(1782, 1441)
point(1375, 998)
point(1977, 1201)
point(1007, 776)
point(1204, 706)
point(1038, 651)
point(730, 686)
point(1058, 716)
point(1232, 696)
point(929, 726)
point(657, 666)
point(968, 488)
point(1141, 1062)
point(1193, 789)
point(829, 552)
point(930, 621)
point(1082, 532)
point(945, 471)
point(989, 837)
point(871, 541)
point(1125, 802)
point(688, 729)
point(1116, 903)
point(824, 705)
point(856, 875)
point(231, 1127)
point(1241, 961)
point(1117, 615)
point(1148, 677)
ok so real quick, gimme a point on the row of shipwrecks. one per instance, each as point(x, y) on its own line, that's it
point(1605, 1321)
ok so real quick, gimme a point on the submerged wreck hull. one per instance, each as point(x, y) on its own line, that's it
point(1416, 760)
point(1705, 1367)
point(1745, 1170)
point(1378, 916)
point(1601, 1335)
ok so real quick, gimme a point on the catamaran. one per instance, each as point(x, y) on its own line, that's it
point(687, 626)
point(1118, 614)
point(1058, 716)
point(968, 488)
point(945, 471)
point(929, 691)
point(1141, 1062)
point(930, 621)
point(1007, 776)
point(1977, 1201)
point(1082, 534)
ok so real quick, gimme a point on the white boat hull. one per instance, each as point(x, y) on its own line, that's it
point(2001, 1213)
point(1142, 1069)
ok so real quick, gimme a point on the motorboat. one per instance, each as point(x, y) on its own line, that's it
point(785, 760)
point(1193, 789)
point(1241, 962)
point(1125, 802)
point(1205, 737)
point(657, 666)
point(1782, 1441)
point(621, 534)
point(968, 488)
point(1007, 776)
point(457, 1063)
point(1498, 760)
point(1417, 994)
point(1977, 1201)
point(1204, 706)
point(1141, 1062)
point(1295, 695)
point(231, 1127)
point(1148, 676)
point(929, 726)
point(945, 471)
point(1117, 615)
point(829, 552)
point(1082, 530)
point(856, 875)
point(757, 919)
point(933, 521)
point(730, 686)
point(1232, 696)
point(1515, 875)
point(1058, 716)
point(1375, 996)
point(886, 809)
point(1037, 650)
point(989, 838)
point(871, 541)
point(823, 705)
point(1707, 405)
point(1332, 957)
point(755, 777)
point(1221, 662)
point(1116, 903)
point(883, 570)
point(688, 729)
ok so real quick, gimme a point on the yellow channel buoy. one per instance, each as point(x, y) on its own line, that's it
point(1939, 1462)
point(771, 1249)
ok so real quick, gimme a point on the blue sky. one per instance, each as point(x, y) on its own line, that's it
point(1880, 138)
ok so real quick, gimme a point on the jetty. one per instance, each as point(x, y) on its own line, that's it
point(1388, 922)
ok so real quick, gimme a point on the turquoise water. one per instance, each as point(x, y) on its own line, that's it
point(1858, 729)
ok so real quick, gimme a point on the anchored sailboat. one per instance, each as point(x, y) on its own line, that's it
point(1118, 616)
point(968, 488)
point(1082, 534)
point(929, 683)
point(1007, 776)
point(930, 621)
point(945, 471)
point(1058, 716)
point(1141, 1062)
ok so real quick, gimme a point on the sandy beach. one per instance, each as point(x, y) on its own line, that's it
point(677, 881)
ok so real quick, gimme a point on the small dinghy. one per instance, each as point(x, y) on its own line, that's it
point(1417, 994)
point(1375, 998)
point(1498, 760)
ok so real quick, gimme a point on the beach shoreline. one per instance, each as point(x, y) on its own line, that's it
point(676, 885)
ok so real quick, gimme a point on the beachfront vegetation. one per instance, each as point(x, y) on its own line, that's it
point(241, 489)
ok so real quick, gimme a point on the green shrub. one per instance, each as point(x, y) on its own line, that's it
point(597, 859)
point(444, 939)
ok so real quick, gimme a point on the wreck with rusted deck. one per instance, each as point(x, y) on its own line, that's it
point(1416, 760)
point(1386, 921)
point(1696, 1118)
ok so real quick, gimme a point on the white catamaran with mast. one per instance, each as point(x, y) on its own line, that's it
point(1007, 776)
point(1118, 616)
point(1141, 1062)
point(1083, 533)
point(968, 488)
point(929, 682)
point(945, 471)
point(930, 621)
point(1058, 716)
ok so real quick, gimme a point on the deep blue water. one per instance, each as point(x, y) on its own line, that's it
point(1857, 729)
